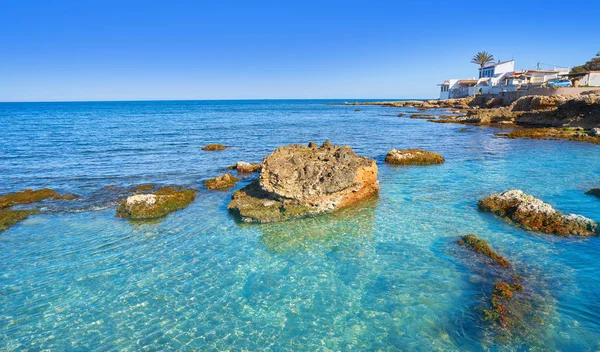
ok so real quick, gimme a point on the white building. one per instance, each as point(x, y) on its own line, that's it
point(500, 77)
point(589, 79)
point(456, 88)
point(497, 70)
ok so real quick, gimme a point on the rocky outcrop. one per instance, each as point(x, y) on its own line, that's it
point(244, 167)
point(30, 196)
point(298, 181)
point(413, 157)
point(214, 147)
point(150, 206)
point(551, 133)
point(533, 214)
point(223, 181)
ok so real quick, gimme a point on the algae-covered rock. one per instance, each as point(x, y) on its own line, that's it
point(144, 187)
point(298, 181)
point(550, 133)
point(10, 217)
point(244, 167)
point(30, 196)
point(481, 246)
point(252, 204)
point(214, 147)
point(594, 192)
point(413, 157)
point(221, 182)
point(504, 310)
point(533, 214)
point(156, 205)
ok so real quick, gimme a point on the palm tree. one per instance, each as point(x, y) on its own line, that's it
point(482, 58)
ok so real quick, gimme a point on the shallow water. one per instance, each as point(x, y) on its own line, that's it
point(385, 275)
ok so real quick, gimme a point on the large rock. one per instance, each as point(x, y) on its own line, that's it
point(533, 214)
point(413, 157)
point(156, 205)
point(299, 181)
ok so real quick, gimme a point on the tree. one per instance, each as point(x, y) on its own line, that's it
point(592, 65)
point(482, 58)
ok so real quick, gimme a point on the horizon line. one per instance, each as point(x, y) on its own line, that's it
point(161, 100)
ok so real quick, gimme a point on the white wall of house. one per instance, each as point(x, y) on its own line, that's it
point(592, 79)
point(494, 70)
point(445, 89)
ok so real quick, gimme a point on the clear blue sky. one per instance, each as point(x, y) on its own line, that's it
point(127, 50)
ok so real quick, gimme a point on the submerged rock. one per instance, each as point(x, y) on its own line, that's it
point(503, 309)
point(413, 157)
point(481, 246)
point(144, 187)
point(30, 196)
point(298, 181)
point(155, 205)
point(10, 217)
point(214, 147)
point(221, 182)
point(244, 167)
point(533, 214)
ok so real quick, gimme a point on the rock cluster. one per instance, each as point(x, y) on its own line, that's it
point(298, 181)
point(223, 181)
point(413, 157)
point(155, 205)
point(533, 214)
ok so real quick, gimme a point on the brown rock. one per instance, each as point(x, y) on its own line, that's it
point(413, 157)
point(221, 182)
point(298, 181)
point(244, 167)
point(214, 147)
point(533, 214)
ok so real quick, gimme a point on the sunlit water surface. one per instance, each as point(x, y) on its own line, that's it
point(385, 275)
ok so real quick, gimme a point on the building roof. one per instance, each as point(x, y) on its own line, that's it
point(467, 81)
point(497, 63)
point(543, 71)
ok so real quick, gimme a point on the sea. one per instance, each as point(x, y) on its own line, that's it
point(384, 275)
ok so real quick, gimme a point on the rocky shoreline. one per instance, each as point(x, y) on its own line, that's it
point(566, 117)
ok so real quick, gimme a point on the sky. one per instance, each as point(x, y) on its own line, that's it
point(153, 50)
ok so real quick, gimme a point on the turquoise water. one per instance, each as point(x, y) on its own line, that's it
point(386, 275)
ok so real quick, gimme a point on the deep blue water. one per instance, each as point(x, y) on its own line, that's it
point(385, 275)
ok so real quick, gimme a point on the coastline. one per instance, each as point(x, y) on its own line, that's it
point(563, 117)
